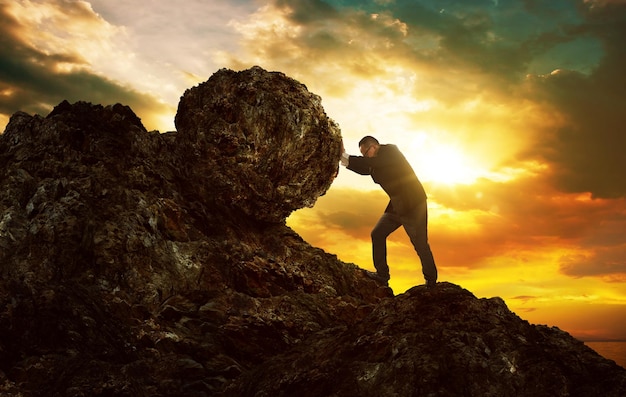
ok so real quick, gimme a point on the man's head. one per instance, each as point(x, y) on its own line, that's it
point(368, 145)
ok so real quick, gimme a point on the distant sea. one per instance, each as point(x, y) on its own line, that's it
point(615, 351)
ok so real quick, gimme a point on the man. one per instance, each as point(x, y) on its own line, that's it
point(407, 206)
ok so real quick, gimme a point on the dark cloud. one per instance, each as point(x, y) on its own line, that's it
point(529, 215)
point(493, 47)
point(523, 301)
point(520, 211)
point(33, 81)
point(529, 209)
point(608, 262)
point(309, 11)
point(353, 212)
point(587, 153)
point(604, 241)
point(524, 298)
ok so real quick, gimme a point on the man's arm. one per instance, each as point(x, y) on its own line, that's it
point(360, 165)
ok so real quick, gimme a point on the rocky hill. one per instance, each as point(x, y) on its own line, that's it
point(135, 263)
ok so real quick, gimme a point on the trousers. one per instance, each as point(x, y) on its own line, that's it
point(415, 223)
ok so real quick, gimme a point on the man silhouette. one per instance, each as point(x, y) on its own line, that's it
point(407, 206)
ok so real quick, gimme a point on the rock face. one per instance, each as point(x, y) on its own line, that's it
point(266, 140)
point(135, 263)
point(439, 342)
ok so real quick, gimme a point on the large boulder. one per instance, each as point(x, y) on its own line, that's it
point(266, 140)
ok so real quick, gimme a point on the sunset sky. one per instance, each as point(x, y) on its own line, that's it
point(512, 113)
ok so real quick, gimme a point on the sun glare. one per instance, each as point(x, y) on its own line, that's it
point(442, 162)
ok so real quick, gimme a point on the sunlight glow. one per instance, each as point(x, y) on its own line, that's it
point(444, 163)
point(162, 122)
point(7, 92)
point(78, 33)
point(522, 169)
point(4, 120)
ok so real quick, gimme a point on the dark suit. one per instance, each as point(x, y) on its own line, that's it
point(407, 206)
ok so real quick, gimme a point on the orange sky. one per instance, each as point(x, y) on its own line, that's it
point(511, 113)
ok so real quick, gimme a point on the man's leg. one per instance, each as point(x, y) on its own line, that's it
point(416, 226)
point(386, 225)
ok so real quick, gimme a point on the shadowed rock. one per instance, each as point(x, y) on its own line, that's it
point(265, 135)
point(436, 342)
point(135, 263)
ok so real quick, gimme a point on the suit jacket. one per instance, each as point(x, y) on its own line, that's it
point(394, 174)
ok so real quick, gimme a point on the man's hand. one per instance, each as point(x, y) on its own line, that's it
point(345, 157)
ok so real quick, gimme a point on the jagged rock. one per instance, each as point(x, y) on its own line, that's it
point(135, 263)
point(122, 264)
point(269, 145)
point(436, 342)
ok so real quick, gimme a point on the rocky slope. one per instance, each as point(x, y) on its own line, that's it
point(136, 263)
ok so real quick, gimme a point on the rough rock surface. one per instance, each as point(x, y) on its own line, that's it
point(135, 263)
point(436, 342)
point(265, 137)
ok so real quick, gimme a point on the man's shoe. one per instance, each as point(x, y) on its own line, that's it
point(377, 277)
